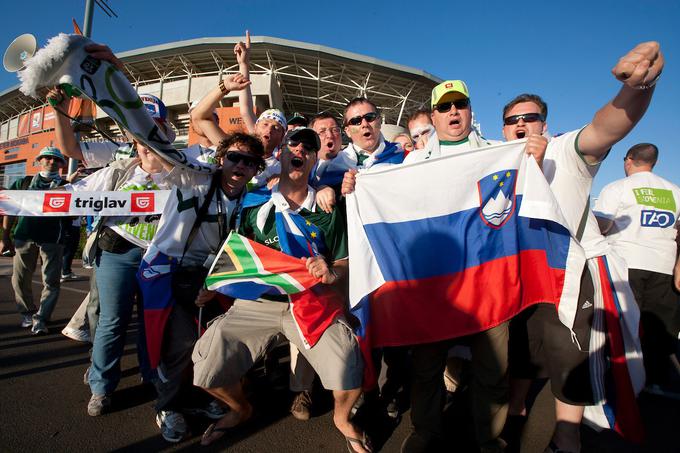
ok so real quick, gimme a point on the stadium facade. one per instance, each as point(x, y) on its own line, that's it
point(290, 75)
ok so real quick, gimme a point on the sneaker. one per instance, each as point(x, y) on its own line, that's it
point(27, 320)
point(76, 334)
point(302, 405)
point(213, 411)
point(172, 425)
point(662, 390)
point(393, 408)
point(38, 326)
point(98, 405)
point(70, 276)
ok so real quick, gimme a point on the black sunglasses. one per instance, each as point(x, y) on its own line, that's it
point(527, 117)
point(306, 146)
point(249, 161)
point(369, 117)
point(446, 106)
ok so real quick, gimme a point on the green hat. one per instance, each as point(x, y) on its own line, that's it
point(52, 152)
point(298, 119)
point(446, 87)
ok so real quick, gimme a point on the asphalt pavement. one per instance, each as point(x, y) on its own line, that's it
point(43, 403)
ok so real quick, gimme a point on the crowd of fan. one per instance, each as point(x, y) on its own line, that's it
point(299, 162)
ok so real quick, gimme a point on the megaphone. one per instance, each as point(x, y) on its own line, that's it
point(21, 49)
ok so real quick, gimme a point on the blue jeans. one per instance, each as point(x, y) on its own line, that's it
point(117, 287)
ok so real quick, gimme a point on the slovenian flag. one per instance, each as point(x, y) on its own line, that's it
point(245, 269)
point(454, 246)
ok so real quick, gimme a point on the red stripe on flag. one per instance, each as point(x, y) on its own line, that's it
point(479, 298)
point(628, 422)
point(154, 323)
point(279, 263)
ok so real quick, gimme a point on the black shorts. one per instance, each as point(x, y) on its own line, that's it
point(659, 321)
point(541, 346)
point(659, 308)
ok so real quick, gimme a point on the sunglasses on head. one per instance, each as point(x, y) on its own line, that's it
point(446, 106)
point(306, 146)
point(527, 117)
point(249, 161)
point(369, 117)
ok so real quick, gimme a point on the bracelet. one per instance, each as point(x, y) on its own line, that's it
point(223, 89)
point(650, 84)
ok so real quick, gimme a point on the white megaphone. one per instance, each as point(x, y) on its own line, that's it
point(21, 49)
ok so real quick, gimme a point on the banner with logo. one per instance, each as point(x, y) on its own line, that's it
point(55, 203)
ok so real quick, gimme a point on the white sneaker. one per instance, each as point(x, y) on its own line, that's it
point(78, 335)
point(38, 326)
point(69, 277)
point(173, 426)
point(26, 320)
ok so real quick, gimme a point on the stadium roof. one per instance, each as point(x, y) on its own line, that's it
point(312, 78)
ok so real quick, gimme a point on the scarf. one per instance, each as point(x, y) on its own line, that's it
point(65, 62)
point(387, 153)
point(432, 149)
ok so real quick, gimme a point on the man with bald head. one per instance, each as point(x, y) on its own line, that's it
point(639, 214)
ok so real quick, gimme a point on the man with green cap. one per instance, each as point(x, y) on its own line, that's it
point(35, 236)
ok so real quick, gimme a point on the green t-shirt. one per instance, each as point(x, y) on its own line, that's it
point(39, 229)
point(331, 225)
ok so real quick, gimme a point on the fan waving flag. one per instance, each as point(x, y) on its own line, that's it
point(457, 245)
point(247, 270)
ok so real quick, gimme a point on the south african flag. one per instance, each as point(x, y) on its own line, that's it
point(247, 270)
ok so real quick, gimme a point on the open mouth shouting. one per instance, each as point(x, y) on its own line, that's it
point(297, 162)
point(520, 133)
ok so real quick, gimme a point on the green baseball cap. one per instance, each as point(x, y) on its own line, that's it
point(446, 87)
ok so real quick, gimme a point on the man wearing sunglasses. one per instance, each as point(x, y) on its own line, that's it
point(198, 216)
point(335, 355)
point(368, 147)
point(452, 120)
point(539, 341)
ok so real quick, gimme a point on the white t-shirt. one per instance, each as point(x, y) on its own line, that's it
point(180, 214)
point(450, 148)
point(139, 229)
point(571, 179)
point(272, 167)
point(645, 209)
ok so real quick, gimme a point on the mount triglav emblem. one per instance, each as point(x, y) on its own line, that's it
point(497, 197)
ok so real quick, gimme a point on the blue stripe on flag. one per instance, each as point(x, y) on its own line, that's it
point(454, 242)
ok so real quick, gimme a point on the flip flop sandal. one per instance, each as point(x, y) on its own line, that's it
point(365, 442)
point(212, 434)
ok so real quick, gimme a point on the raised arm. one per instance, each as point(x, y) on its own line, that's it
point(245, 97)
point(63, 130)
point(202, 114)
point(639, 70)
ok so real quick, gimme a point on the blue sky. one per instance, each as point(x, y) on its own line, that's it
point(563, 51)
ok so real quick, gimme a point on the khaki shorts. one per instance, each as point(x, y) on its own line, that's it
point(237, 339)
